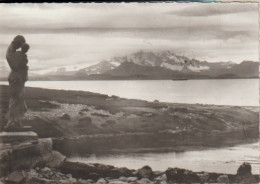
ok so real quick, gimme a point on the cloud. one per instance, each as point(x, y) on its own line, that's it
point(212, 9)
point(84, 34)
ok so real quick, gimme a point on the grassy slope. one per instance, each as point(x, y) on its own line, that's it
point(112, 124)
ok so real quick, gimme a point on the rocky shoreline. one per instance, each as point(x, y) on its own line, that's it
point(35, 162)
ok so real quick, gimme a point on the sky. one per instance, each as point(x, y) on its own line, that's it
point(80, 35)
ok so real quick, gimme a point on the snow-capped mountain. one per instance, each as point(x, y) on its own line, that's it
point(165, 59)
point(154, 65)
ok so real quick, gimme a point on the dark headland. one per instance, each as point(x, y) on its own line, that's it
point(83, 123)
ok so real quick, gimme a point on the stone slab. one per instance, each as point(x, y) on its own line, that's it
point(14, 137)
point(20, 129)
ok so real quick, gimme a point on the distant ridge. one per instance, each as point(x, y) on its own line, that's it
point(153, 65)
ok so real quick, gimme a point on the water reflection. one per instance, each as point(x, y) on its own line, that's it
point(224, 160)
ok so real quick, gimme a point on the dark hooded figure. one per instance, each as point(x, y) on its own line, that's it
point(18, 64)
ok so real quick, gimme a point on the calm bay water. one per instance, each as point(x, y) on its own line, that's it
point(223, 160)
point(240, 92)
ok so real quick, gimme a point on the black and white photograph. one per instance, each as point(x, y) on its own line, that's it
point(129, 93)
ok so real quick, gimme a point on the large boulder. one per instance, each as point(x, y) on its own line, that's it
point(204, 177)
point(101, 181)
point(145, 172)
point(178, 175)
point(144, 181)
point(123, 171)
point(223, 179)
point(244, 174)
point(24, 156)
point(244, 169)
point(131, 179)
point(93, 171)
point(78, 170)
point(15, 177)
point(55, 159)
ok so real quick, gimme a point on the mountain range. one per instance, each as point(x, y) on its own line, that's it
point(155, 65)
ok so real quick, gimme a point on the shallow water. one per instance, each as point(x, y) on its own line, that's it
point(240, 92)
point(222, 160)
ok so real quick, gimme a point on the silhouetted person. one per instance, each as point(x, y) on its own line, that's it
point(22, 61)
point(17, 61)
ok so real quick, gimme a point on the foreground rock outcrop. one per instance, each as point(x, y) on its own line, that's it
point(35, 162)
point(103, 174)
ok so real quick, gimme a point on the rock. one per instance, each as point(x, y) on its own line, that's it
point(131, 179)
point(55, 159)
point(164, 177)
point(101, 181)
point(24, 156)
point(122, 178)
point(223, 179)
point(45, 149)
point(94, 176)
point(78, 170)
point(90, 181)
point(65, 116)
point(144, 181)
point(244, 169)
point(87, 171)
point(157, 173)
point(68, 175)
point(204, 177)
point(145, 172)
point(104, 170)
point(161, 178)
point(81, 181)
point(181, 175)
point(38, 180)
point(70, 181)
point(123, 171)
point(45, 146)
point(117, 182)
point(244, 174)
point(46, 169)
point(160, 182)
point(15, 177)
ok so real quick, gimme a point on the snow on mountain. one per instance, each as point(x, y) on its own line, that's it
point(101, 67)
point(164, 59)
point(171, 66)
